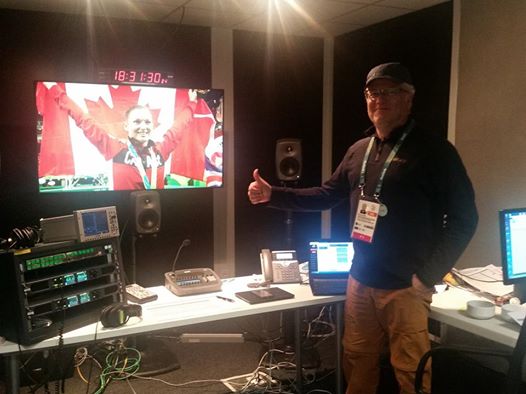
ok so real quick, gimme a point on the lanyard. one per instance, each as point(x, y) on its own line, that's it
point(387, 162)
point(140, 166)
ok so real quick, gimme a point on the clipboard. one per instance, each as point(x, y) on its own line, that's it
point(264, 295)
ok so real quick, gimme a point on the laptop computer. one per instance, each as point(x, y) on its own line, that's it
point(329, 264)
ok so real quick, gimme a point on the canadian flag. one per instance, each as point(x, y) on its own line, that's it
point(56, 155)
point(197, 131)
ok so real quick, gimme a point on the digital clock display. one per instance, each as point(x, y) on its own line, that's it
point(132, 76)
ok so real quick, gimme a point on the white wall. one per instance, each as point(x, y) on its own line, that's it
point(490, 126)
point(224, 204)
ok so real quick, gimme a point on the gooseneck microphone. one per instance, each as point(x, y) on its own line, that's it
point(186, 242)
point(191, 280)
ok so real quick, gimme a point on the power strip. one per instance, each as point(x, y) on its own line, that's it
point(212, 338)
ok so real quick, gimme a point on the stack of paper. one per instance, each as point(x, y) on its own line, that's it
point(486, 279)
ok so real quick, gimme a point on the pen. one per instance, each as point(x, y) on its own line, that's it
point(225, 298)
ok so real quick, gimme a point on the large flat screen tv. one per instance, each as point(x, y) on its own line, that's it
point(98, 137)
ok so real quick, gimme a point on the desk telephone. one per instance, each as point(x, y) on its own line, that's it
point(280, 266)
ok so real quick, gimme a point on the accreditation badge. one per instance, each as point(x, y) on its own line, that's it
point(365, 220)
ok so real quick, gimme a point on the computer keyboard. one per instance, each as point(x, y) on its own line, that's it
point(328, 286)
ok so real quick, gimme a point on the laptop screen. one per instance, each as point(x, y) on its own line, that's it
point(328, 257)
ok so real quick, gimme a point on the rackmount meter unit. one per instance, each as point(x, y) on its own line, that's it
point(83, 225)
point(58, 286)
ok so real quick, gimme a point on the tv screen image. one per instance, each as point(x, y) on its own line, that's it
point(98, 137)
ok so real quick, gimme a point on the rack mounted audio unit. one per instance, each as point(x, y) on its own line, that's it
point(63, 284)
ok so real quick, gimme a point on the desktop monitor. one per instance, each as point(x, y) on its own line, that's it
point(105, 137)
point(512, 223)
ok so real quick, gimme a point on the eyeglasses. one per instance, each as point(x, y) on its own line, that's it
point(374, 94)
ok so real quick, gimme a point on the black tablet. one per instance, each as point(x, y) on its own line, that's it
point(264, 295)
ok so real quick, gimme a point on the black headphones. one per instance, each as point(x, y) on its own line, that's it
point(25, 237)
point(116, 315)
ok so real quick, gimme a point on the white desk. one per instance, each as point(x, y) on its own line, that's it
point(170, 311)
point(449, 308)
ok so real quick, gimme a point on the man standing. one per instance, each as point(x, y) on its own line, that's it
point(412, 215)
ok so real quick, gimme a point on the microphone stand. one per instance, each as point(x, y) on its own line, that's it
point(289, 346)
point(185, 243)
point(156, 356)
point(134, 260)
point(289, 221)
point(288, 230)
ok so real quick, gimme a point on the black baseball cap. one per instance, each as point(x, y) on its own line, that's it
point(394, 71)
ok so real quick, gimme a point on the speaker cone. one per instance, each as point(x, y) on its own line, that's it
point(148, 219)
point(289, 167)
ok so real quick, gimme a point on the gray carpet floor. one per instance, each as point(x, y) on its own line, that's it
point(202, 366)
point(205, 368)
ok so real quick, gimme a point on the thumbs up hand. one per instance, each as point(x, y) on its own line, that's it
point(259, 191)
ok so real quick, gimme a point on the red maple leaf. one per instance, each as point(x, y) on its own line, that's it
point(112, 119)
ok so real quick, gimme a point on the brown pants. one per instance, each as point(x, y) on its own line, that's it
point(380, 321)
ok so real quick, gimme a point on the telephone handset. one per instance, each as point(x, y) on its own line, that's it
point(280, 266)
point(266, 264)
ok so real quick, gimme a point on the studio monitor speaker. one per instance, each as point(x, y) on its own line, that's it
point(146, 212)
point(288, 159)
